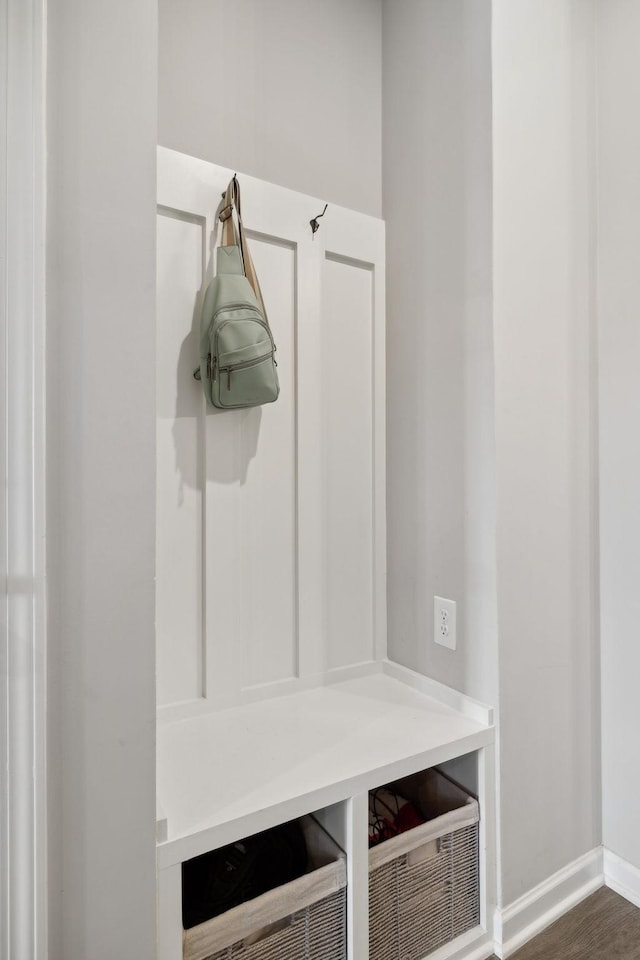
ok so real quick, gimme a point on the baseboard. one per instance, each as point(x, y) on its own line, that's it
point(471, 708)
point(622, 877)
point(535, 911)
point(476, 944)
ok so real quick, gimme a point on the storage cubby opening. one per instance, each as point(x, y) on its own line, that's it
point(423, 865)
point(412, 801)
point(279, 894)
point(463, 770)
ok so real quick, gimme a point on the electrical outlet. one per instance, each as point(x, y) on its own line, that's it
point(444, 622)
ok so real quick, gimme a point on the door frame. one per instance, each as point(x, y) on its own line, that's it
point(23, 732)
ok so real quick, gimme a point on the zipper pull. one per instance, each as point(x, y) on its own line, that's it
point(214, 369)
point(228, 378)
point(208, 366)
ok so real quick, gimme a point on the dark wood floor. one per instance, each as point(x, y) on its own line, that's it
point(603, 927)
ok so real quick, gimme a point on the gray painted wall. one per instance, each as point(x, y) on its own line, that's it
point(101, 477)
point(288, 91)
point(488, 136)
point(544, 326)
point(619, 363)
point(437, 204)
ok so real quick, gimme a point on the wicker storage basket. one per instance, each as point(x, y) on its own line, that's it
point(423, 884)
point(302, 920)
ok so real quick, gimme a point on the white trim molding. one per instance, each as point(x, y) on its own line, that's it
point(473, 709)
point(622, 877)
point(532, 913)
point(23, 906)
point(475, 944)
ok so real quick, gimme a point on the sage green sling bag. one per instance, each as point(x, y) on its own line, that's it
point(237, 352)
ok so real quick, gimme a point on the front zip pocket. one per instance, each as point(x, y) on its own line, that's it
point(243, 338)
point(247, 383)
point(247, 353)
point(243, 366)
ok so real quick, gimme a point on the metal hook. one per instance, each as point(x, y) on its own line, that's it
point(315, 226)
point(224, 192)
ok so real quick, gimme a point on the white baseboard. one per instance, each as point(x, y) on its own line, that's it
point(524, 919)
point(476, 944)
point(532, 913)
point(464, 704)
point(622, 877)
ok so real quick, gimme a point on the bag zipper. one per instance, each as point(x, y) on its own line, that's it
point(259, 320)
point(242, 366)
point(212, 368)
point(239, 306)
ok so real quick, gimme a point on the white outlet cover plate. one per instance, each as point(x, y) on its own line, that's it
point(444, 622)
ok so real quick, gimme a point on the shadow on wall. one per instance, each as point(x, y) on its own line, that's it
point(227, 440)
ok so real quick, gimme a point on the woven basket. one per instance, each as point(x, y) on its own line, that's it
point(424, 884)
point(301, 920)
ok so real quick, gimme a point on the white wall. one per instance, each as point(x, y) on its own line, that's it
point(101, 429)
point(440, 444)
point(287, 91)
point(619, 363)
point(543, 225)
point(437, 165)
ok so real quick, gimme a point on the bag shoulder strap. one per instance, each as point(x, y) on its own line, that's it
point(235, 236)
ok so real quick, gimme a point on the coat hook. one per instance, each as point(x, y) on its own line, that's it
point(314, 223)
point(224, 192)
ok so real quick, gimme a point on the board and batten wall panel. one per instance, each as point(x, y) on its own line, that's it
point(226, 489)
point(348, 439)
point(270, 519)
point(251, 513)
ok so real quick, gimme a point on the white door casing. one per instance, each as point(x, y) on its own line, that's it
point(23, 906)
point(270, 521)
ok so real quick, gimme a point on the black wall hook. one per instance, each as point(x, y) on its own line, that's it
point(315, 226)
point(224, 192)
